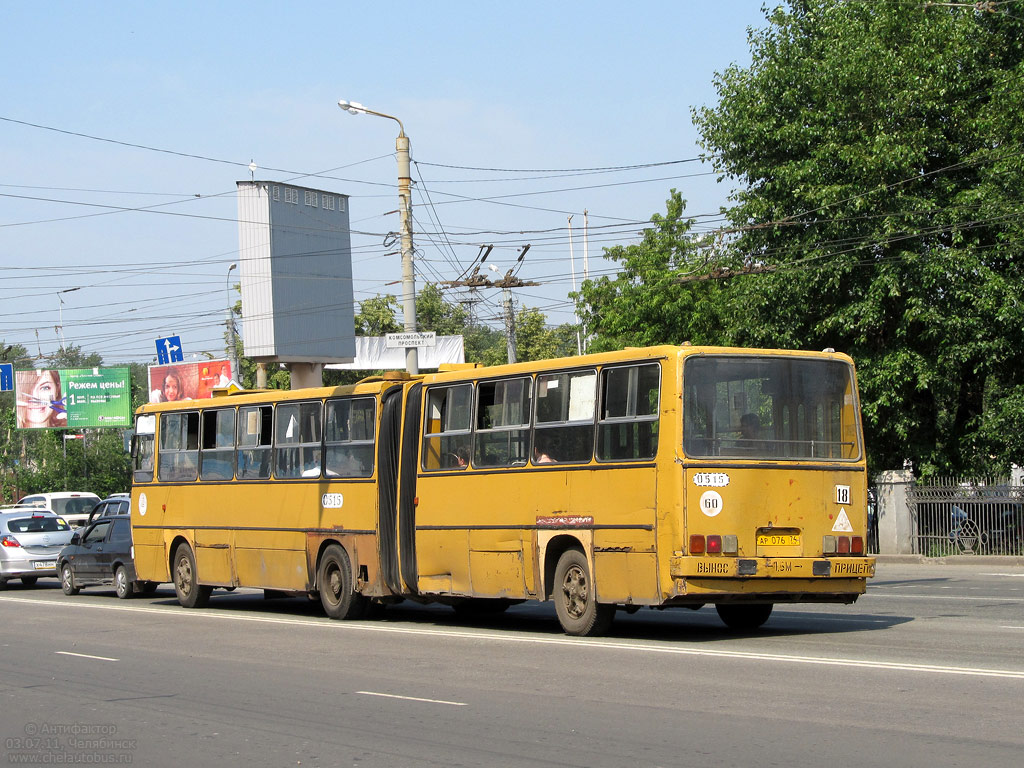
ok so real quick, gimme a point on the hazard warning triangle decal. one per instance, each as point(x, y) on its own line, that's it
point(842, 522)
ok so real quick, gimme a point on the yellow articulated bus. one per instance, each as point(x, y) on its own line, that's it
point(664, 476)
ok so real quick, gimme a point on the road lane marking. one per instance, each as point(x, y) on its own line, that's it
point(85, 656)
point(173, 612)
point(413, 698)
point(903, 595)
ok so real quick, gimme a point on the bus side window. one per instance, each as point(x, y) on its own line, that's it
point(254, 439)
point(348, 437)
point(446, 430)
point(297, 440)
point(502, 422)
point(628, 429)
point(564, 425)
point(143, 455)
point(217, 455)
point(178, 452)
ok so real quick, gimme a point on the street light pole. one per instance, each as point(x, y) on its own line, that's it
point(405, 220)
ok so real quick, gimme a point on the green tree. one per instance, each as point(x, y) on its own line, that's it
point(376, 316)
point(877, 153)
point(435, 314)
point(536, 341)
point(881, 174)
point(647, 303)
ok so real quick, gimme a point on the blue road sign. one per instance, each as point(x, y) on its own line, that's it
point(6, 377)
point(169, 350)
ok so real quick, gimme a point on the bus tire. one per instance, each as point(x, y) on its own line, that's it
point(576, 604)
point(191, 594)
point(744, 616)
point(334, 580)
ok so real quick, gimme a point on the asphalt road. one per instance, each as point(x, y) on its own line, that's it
point(925, 670)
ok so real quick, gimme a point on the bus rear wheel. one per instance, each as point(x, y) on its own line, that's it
point(191, 594)
point(744, 616)
point(576, 604)
point(334, 579)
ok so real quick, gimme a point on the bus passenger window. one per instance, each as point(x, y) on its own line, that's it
point(217, 455)
point(254, 439)
point(628, 429)
point(564, 425)
point(178, 452)
point(446, 429)
point(502, 422)
point(297, 440)
point(348, 435)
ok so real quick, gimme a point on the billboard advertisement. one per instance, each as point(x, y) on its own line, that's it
point(73, 398)
point(187, 381)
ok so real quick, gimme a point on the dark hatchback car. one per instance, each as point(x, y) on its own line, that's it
point(101, 555)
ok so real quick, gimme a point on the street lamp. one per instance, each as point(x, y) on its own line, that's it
point(232, 346)
point(405, 214)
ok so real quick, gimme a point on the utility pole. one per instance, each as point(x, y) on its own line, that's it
point(510, 325)
point(575, 315)
point(236, 373)
point(506, 283)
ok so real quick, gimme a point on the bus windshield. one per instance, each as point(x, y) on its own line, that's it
point(775, 408)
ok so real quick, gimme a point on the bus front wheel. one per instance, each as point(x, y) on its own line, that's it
point(337, 596)
point(744, 616)
point(191, 594)
point(575, 598)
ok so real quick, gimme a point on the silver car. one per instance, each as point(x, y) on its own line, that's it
point(30, 540)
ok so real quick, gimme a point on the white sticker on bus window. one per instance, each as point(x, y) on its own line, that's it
point(332, 500)
point(842, 523)
point(711, 503)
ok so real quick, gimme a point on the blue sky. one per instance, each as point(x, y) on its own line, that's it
point(532, 89)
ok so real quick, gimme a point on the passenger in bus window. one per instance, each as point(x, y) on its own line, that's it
point(750, 426)
point(459, 457)
point(750, 441)
point(540, 455)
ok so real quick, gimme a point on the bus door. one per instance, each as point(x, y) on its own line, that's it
point(387, 487)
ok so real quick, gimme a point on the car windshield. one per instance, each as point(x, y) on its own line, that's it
point(781, 408)
point(37, 525)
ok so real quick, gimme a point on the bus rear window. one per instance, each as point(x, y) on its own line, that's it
point(770, 408)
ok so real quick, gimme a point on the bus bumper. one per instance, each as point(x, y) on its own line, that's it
point(704, 567)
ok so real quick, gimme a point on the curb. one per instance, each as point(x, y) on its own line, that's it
point(1005, 560)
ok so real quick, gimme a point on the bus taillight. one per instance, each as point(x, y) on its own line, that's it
point(842, 545)
point(715, 544)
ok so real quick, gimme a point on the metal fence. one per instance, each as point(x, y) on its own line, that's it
point(953, 516)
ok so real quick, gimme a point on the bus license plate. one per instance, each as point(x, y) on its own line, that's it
point(778, 540)
point(39, 566)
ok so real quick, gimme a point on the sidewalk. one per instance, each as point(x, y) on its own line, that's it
point(1004, 560)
